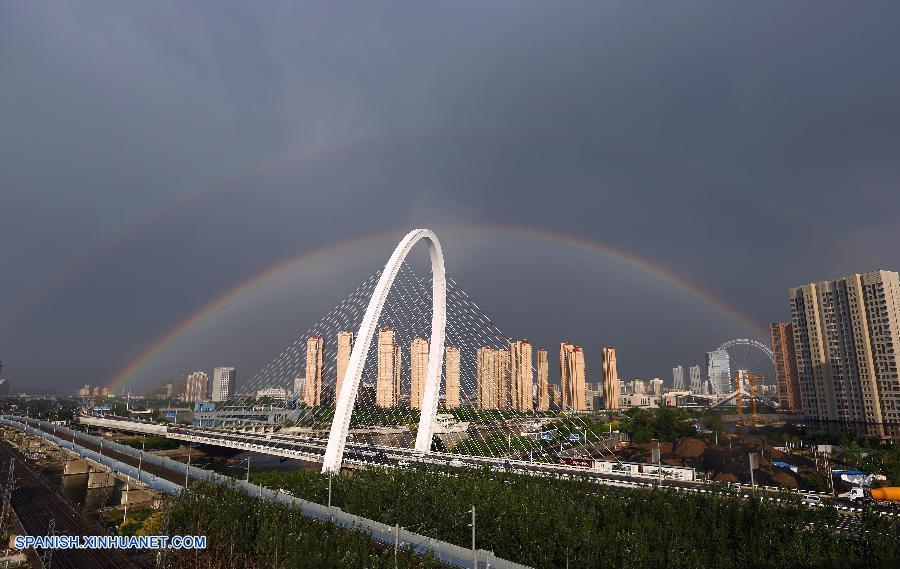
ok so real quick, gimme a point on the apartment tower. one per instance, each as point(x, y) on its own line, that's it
point(451, 377)
point(678, 378)
point(315, 348)
point(387, 383)
point(418, 371)
point(344, 348)
point(612, 388)
point(486, 378)
point(571, 371)
point(197, 387)
point(543, 367)
point(223, 383)
point(787, 382)
point(521, 376)
point(846, 339)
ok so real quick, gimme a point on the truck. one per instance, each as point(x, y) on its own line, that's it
point(885, 494)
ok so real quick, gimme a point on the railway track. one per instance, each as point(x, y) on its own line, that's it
point(36, 503)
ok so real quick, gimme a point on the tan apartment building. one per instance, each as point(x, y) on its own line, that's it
point(344, 349)
point(543, 381)
point(451, 377)
point(571, 371)
point(612, 387)
point(521, 376)
point(312, 396)
point(846, 338)
point(387, 382)
point(486, 378)
point(418, 371)
point(787, 381)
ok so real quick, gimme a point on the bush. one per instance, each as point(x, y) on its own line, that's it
point(546, 522)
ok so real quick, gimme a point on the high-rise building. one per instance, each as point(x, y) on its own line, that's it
point(197, 387)
point(571, 371)
point(299, 386)
point(696, 380)
point(223, 385)
point(521, 376)
point(638, 387)
point(486, 378)
point(344, 349)
point(418, 371)
point(555, 396)
point(504, 381)
point(315, 357)
point(451, 377)
point(678, 378)
point(718, 370)
point(543, 381)
point(84, 391)
point(387, 388)
point(612, 390)
point(787, 380)
point(847, 347)
point(656, 386)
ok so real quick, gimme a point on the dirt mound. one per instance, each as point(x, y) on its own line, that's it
point(784, 479)
point(689, 448)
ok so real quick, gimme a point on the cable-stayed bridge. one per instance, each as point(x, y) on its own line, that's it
point(406, 367)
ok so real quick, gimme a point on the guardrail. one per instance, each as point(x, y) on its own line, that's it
point(442, 551)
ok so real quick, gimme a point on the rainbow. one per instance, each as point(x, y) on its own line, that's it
point(303, 157)
point(247, 287)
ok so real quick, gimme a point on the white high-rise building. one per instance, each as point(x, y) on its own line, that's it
point(696, 380)
point(656, 386)
point(223, 383)
point(678, 378)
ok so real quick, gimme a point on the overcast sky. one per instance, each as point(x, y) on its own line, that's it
point(155, 155)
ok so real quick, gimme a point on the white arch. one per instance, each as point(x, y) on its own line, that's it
point(337, 438)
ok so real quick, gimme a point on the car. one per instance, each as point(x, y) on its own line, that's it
point(456, 462)
point(813, 501)
point(403, 463)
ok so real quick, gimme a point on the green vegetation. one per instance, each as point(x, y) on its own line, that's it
point(243, 531)
point(664, 424)
point(152, 442)
point(554, 523)
point(497, 444)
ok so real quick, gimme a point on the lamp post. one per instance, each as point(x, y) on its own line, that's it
point(474, 551)
point(140, 459)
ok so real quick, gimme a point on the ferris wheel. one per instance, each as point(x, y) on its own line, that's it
point(743, 356)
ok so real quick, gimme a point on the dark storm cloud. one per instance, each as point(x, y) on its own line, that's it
point(746, 148)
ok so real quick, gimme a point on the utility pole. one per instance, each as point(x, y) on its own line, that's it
point(127, 483)
point(329, 488)
point(474, 551)
point(141, 459)
point(248, 469)
point(187, 470)
point(754, 463)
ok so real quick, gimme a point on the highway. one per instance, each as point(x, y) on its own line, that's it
point(360, 454)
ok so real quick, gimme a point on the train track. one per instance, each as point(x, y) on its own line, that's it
point(36, 503)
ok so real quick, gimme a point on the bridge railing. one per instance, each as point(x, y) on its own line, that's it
point(442, 551)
